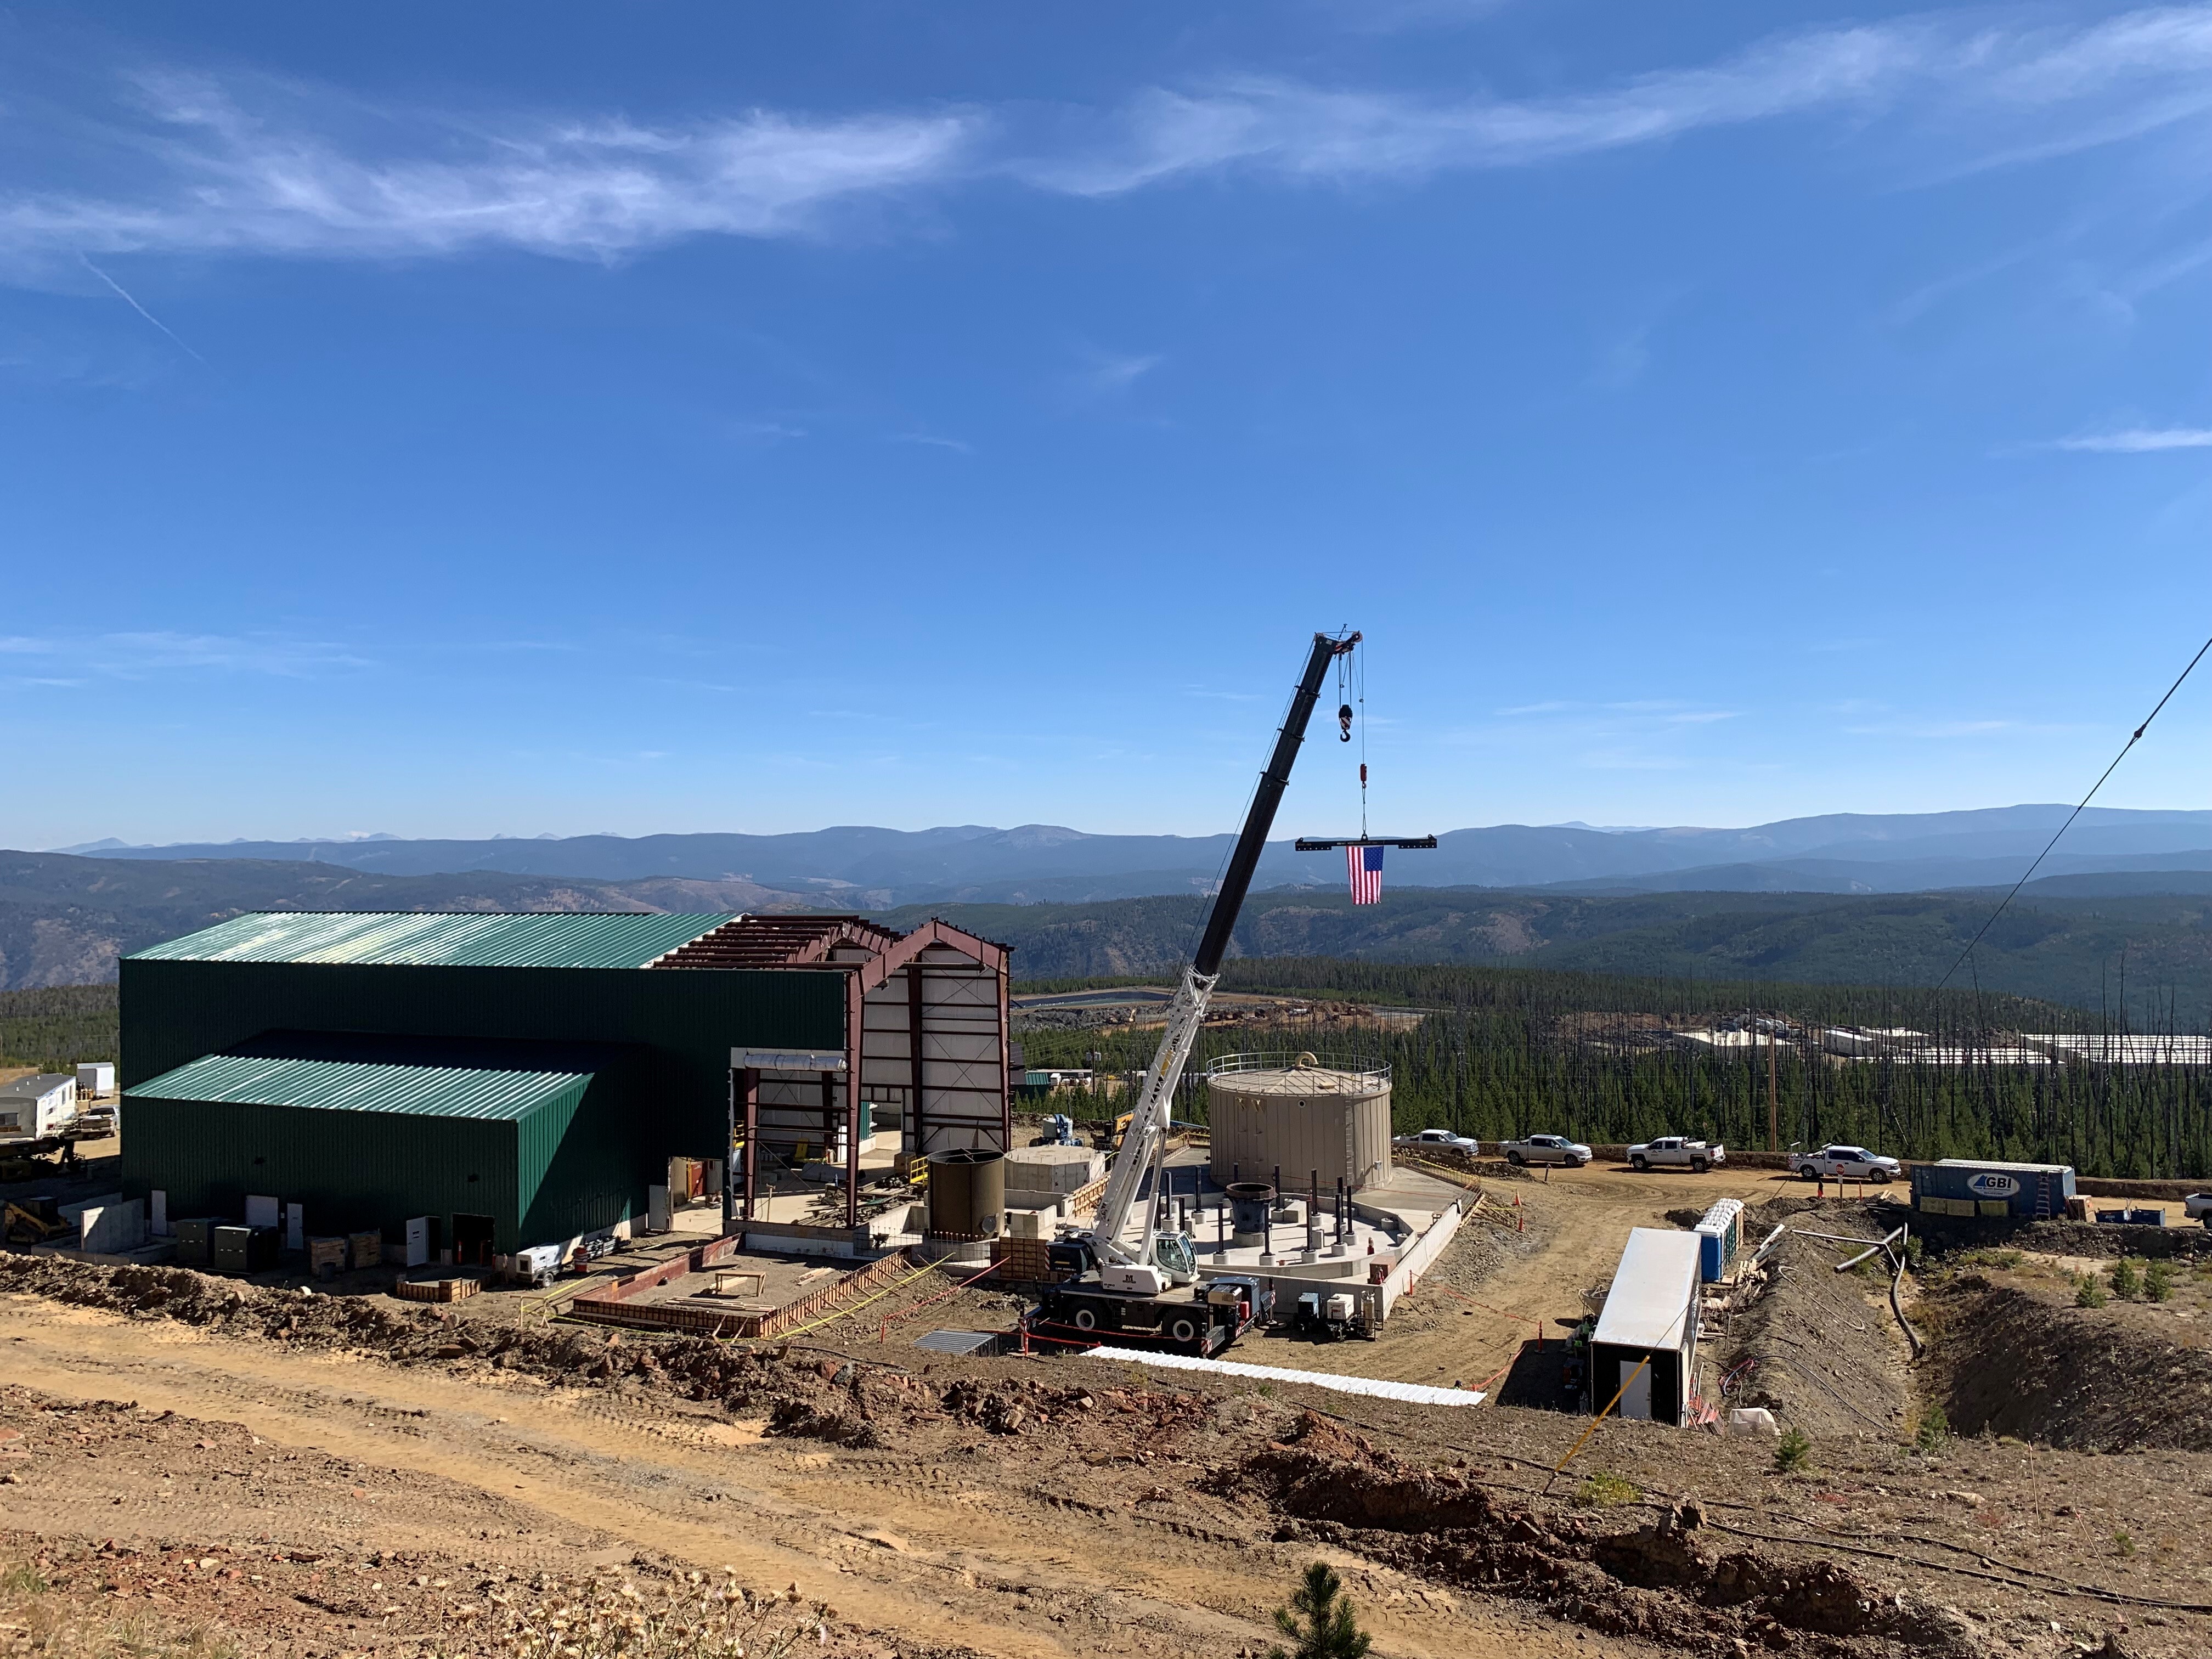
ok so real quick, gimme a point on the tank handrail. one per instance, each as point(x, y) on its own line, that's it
point(1347, 1071)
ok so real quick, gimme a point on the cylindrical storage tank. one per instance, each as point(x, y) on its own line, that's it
point(967, 1193)
point(1317, 1118)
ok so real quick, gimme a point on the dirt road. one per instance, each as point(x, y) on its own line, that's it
point(935, 1546)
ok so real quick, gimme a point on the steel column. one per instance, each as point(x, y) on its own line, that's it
point(1006, 1078)
point(751, 1092)
point(917, 1141)
point(855, 1010)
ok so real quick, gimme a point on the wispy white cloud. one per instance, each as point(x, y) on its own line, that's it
point(137, 655)
point(2115, 79)
point(2139, 441)
point(200, 164)
point(216, 176)
point(931, 441)
point(1109, 373)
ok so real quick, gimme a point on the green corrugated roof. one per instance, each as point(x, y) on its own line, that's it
point(419, 938)
point(425, 1077)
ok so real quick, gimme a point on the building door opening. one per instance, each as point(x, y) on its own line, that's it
point(472, 1241)
point(1635, 1396)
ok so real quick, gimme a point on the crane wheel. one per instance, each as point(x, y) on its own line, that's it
point(1085, 1320)
point(1185, 1331)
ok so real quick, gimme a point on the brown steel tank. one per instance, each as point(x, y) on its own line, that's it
point(1314, 1117)
point(967, 1193)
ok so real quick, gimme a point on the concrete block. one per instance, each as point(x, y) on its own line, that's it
point(113, 1228)
point(1025, 1224)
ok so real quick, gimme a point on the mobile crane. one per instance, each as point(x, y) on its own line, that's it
point(1123, 1268)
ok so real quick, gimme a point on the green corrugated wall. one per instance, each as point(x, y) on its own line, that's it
point(687, 1020)
point(569, 1167)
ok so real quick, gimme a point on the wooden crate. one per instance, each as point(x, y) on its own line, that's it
point(435, 1290)
point(367, 1249)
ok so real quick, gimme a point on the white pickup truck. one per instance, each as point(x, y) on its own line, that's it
point(1546, 1149)
point(1673, 1152)
point(1440, 1140)
point(1843, 1163)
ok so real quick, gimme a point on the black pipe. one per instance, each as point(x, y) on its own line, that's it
point(1236, 880)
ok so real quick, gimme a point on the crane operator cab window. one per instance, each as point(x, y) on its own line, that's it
point(1173, 1254)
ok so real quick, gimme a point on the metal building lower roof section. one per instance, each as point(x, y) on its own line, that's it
point(440, 940)
point(1418, 1394)
point(420, 1077)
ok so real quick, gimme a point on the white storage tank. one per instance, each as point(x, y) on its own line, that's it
point(1311, 1116)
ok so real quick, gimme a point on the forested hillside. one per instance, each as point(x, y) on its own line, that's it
point(1509, 1052)
point(64, 920)
point(2082, 950)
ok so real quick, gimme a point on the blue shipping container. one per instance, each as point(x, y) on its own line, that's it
point(2025, 1189)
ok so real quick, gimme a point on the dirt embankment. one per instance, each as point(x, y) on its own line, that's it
point(1670, 1583)
point(2013, 1358)
point(1819, 1348)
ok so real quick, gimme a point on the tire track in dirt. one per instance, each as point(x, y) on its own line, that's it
point(897, 1544)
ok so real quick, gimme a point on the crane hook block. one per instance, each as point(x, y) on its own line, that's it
point(1344, 722)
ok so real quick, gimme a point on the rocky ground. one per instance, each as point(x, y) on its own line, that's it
point(289, 1475)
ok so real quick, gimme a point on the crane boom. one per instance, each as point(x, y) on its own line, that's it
point(1145, 1145)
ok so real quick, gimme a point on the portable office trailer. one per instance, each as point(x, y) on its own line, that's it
point(1720, 1236)
point(33, 1106)
point(1980, 1187)
point(1645, 1347)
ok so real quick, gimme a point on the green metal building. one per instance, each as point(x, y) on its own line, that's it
point(504, 1142)
point(520, 1076)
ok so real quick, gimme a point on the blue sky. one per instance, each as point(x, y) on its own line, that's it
point(521, 418)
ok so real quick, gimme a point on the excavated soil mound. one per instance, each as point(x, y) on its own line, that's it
point(1669, 1583)
point(1822, 1349)
point(802, 1393)
point(2008, 1360)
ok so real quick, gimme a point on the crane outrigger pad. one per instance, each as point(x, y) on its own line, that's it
point(1409, 843)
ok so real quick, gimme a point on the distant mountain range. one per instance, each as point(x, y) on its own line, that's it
point(865, 868)
point(2071, 938)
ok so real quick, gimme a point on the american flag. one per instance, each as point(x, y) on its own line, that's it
point(1364, 864)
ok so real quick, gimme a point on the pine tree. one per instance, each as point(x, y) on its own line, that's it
point(1329, 1631)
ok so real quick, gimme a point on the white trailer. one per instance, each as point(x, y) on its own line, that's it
point(1645, 1347)
point(32, 1108)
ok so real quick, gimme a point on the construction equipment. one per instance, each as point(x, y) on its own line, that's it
point(1121, 1268)
point(1329, 1318)
point(33, 1221)
point(1057, 1129)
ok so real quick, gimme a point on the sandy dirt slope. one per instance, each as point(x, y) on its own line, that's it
point(932, 1545)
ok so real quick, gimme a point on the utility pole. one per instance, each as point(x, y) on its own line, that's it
point(1773, 1113)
